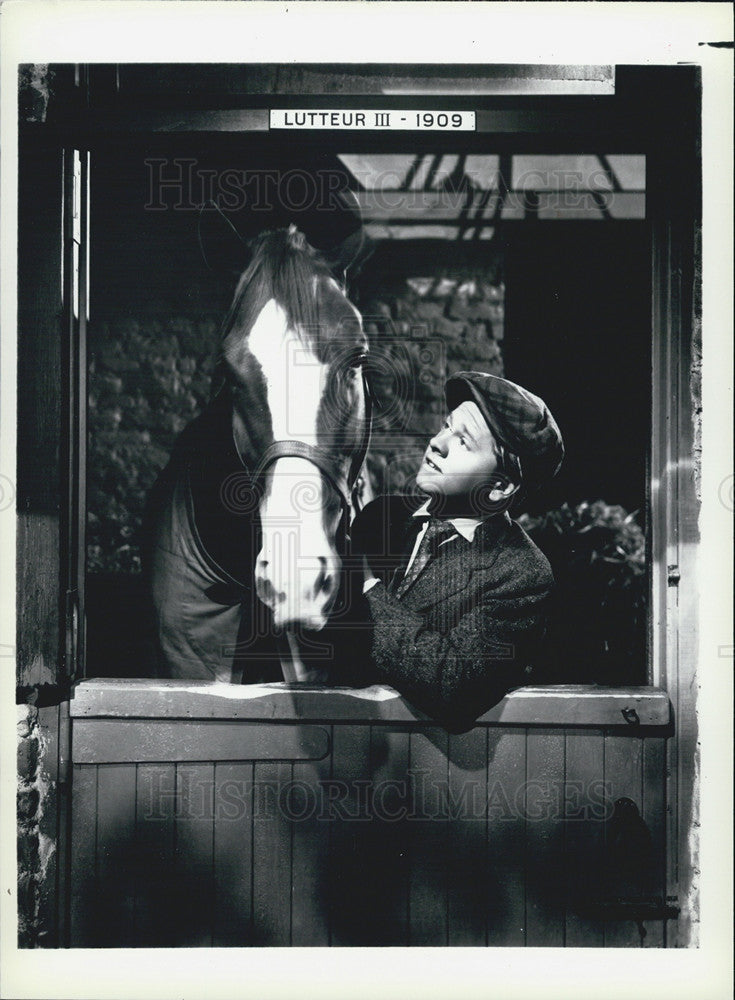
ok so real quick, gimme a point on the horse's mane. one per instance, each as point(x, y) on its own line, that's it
point(283, 267)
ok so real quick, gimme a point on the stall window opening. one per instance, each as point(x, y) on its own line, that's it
point(536, 267)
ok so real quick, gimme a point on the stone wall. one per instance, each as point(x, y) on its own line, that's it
point(147, 379)
point(421, 331)
point(36, 828)
point(35, 83)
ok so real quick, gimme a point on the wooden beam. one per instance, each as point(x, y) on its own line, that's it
point(39, 409)
point(565, 705)
point(117, 741)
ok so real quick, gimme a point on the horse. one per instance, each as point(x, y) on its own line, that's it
point(248, 522)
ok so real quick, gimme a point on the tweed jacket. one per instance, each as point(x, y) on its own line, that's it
point(470, 626)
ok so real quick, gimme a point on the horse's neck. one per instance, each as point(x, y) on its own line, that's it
point(218, 431)
point(214, 473)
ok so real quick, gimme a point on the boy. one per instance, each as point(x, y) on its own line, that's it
point(458, 594)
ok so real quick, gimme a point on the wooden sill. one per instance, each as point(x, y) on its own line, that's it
point(561, 705)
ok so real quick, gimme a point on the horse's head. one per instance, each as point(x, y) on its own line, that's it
point(294, 346)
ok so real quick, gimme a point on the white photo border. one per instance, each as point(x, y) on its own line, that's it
point(547, 33)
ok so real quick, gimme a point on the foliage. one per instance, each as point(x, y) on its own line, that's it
point(598, 555)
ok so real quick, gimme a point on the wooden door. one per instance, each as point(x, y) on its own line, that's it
point(273, 818)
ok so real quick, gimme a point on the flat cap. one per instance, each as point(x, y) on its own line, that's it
point(519, 420)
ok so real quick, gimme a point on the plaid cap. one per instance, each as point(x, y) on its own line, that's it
point(519, 420)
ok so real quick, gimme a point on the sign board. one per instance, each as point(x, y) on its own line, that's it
point(371, 119)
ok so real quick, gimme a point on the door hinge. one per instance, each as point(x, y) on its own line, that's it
point(673, 575)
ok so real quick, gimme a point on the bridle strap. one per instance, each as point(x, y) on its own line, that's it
point(311, 453)
point(359, 457)
point(346, 488)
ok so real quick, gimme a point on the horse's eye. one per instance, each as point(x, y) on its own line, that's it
point(355, 362)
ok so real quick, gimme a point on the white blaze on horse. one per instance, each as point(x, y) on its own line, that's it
point(249, 517)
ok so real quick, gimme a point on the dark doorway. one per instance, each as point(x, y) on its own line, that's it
point(578, 332)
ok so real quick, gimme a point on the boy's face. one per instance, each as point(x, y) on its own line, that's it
point(461, 457)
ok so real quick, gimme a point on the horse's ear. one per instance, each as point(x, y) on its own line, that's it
point(222, 247)
point(348, 257)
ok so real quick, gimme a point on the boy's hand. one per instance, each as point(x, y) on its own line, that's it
point(369, 579)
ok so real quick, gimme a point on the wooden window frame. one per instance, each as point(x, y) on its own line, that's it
point(673, 213)
point(672, 506)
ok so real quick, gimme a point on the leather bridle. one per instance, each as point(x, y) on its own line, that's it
point(346, 487)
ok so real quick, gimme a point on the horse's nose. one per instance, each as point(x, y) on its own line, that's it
point(298, 588)
point(265, 590)
point(325, 583)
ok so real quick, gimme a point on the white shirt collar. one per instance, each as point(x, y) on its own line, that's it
point(465, 526)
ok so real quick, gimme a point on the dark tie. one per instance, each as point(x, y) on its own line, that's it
point(435, 534)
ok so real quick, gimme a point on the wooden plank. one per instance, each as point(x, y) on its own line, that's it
point(84, 896)
point(214, 120)
point(311, 854)
point(506, 864)
point(429, 838)
point(624, 778)
point(684, 760)
point(676, 516)
point(545, 875)
point(507, 122)
point(678, 862)
point(555, 706)
point(233, 855)
point(116, 849)
point(38, 568)
point(39, 424)
point(391, 802)
point(351, 883)
point(157, 887)
point(272, 861)
point(193, 922)
point(467, 851)
point(180, 87)
point(585, 811)
point(97, 741)
point(654, 816)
